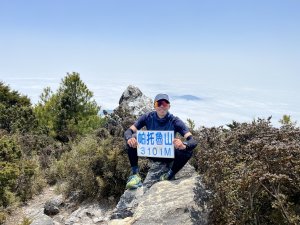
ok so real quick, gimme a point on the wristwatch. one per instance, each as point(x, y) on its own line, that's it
point(186, 144)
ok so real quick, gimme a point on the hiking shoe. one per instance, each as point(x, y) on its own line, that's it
point(165, 176)
point(134, 182)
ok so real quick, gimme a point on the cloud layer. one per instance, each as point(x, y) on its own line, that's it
point(217, 105)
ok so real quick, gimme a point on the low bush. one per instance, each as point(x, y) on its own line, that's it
point(96, 167)
point(20, 174)
point(253, 170)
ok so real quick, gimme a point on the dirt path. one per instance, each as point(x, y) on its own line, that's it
point(33, 207)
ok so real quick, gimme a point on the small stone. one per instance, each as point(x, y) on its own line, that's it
point(98, 219)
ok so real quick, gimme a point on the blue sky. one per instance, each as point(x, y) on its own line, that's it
point(238, 44)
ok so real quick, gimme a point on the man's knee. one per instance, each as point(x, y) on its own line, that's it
point(183, 153)
point(127, 147)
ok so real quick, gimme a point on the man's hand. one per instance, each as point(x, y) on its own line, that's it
point(178, 144)
point(132, 142)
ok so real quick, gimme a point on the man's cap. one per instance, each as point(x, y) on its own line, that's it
point(161, 97)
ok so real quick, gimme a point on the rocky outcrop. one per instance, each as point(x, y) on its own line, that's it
point(135, 101)
point(132, 104)
point(181, 201)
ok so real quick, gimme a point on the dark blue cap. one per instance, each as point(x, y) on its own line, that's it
point(161, 97)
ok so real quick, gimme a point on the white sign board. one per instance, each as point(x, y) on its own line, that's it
point(155, 144)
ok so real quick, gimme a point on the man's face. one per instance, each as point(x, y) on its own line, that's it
point(162, 107)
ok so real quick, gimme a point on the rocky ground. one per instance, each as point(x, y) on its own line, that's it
point(180, 201)
point(32, 208)
point(66, 213)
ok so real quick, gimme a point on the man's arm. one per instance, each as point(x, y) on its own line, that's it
point(128, 133)
point(187, 135)
point(189, 144)
point(131, 141)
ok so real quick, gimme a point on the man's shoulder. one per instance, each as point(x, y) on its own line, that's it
point(173, 118)
point(177, 121)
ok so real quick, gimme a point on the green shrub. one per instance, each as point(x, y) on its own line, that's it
point(3, 216)
point(43, 146)
point(26, 221)
point(10, 97)
point(16, 114)
point(70, 112)
point(84, 167)
point(253, 170)
point(10, 155)
point(286, 120)
point(95, 167)
point(20, 174)
point(10, 151)
point(9, 173)
point(30, 181)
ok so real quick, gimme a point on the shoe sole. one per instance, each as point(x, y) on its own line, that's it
point(134, 186)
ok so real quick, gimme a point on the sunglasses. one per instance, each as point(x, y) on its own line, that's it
point(163, 103)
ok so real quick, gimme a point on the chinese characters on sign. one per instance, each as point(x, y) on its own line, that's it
point(155, 144)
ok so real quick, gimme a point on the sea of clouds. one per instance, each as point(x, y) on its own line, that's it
point(210, 104)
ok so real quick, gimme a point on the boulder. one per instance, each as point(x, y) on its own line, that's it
point(52, 206)
point(132, 104)
point(42, 219)
point(134, 101)
point(181, 201)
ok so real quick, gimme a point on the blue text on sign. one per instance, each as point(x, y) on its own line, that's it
point(155, 144)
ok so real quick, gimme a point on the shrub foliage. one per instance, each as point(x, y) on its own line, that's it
point(70, 112)
point(16, 114)
point(253, 170)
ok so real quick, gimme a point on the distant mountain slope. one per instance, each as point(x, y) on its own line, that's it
point(188, 97)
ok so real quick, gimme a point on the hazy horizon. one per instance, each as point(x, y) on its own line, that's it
point(218, 105)
point(241, 58)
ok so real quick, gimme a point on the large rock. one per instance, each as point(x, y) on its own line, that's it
point(53, 205)
point(135, 101)
point(181, 201)
point(42, 220)
point(132, 104)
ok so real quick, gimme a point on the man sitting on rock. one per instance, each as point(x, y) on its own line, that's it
point(160, 120)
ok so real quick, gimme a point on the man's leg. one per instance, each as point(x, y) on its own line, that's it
point(181, 158)
point(134, 181)
point(133, 158)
